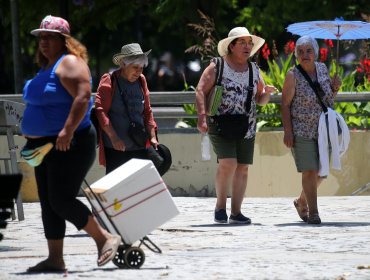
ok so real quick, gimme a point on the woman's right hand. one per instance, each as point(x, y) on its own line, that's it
point(288, 139)
point(202, 123)
point(118, 144)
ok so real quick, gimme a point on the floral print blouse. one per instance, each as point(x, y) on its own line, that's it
point(305, 108)
point(235, 93)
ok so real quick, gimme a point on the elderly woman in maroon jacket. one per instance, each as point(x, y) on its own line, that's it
point(123, 97)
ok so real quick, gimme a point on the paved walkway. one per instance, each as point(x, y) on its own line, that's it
point(276, 246)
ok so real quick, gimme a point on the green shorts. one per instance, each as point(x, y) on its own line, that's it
point(306, 154)
point(241, 149)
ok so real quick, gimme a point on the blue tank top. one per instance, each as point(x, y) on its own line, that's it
point(48, 104)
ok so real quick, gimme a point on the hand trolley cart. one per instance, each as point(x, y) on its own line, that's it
point(131, 201)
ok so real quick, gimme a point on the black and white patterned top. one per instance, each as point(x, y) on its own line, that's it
point(235, 92)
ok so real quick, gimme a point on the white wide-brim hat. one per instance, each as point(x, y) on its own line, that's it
point(133, 49)
point(235, 33)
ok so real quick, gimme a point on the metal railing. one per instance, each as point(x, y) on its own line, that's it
point(169, 104)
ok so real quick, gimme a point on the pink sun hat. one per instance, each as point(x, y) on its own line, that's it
point(53, 24)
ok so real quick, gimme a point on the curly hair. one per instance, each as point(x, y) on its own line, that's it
point(72, 46)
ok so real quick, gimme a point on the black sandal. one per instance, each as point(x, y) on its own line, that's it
point(314, 219)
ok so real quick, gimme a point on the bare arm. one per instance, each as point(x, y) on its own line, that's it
point(74, 75)
point(286, 101)
point(205, 85)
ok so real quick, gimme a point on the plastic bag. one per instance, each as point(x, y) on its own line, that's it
point(205, 147)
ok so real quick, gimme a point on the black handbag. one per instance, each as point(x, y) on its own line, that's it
point(235, 126)
point(137, 133)
point(232, 126)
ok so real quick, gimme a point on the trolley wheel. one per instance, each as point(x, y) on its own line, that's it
point(134, 257)
point(119, 258)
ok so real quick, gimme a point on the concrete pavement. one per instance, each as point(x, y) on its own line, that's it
point(276, 246)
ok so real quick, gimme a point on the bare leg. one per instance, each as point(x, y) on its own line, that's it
point(99, 234)
point(56, 252)
point(310, 183)
point(107, 243)
point(302, 201)
point(239, 187)
point(225, 172)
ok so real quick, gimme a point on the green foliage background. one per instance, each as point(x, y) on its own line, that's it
point(105, 25)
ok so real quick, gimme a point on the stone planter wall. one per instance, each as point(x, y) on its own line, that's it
point(273, 173)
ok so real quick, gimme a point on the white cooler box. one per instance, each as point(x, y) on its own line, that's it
point(135, 198)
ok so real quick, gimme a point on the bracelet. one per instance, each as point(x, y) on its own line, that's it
point(201, 115)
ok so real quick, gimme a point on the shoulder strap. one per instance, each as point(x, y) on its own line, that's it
point(250, 89)
point(57, 63)
point(305, 75)
point(219, 70)
point(121, 94)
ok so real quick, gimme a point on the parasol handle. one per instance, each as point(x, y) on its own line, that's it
point(336, 61)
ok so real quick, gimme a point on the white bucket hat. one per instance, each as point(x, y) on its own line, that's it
point(235, 33)
point(133, 49)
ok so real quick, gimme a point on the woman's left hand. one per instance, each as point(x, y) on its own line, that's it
point(336, 82)
point(63, 142)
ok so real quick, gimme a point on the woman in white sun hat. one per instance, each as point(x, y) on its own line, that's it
point(234, 148)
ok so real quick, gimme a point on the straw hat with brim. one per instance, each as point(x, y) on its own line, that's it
point(133, 49)
point(235, 33)
point(53, 24)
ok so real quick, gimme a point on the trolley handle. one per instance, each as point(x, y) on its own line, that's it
point(100, 205)
point(150, 245)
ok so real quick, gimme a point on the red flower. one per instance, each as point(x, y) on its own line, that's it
point(365, 65)
point(266, 52)
point(289, 47)
point(329, 43)
point(323, 54)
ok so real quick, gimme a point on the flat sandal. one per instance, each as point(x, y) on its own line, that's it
point(302, 211)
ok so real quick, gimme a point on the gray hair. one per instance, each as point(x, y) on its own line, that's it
point(140, 59)
point(307, 40)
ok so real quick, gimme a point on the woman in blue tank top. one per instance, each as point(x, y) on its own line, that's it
point(58, 103)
